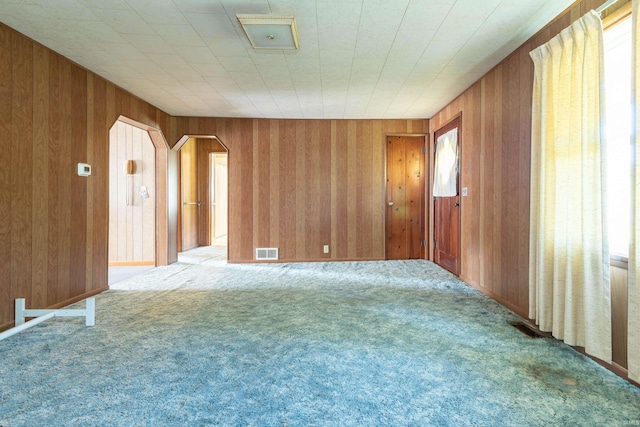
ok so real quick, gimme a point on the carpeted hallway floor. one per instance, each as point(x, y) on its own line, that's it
point(202, 342)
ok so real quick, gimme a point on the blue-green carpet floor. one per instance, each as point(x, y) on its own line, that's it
point(321, 344)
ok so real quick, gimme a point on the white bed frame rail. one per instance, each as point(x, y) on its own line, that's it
point(89, 313)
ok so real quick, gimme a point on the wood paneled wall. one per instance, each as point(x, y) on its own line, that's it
point(53, 115)
point(300, 184)
point(131, 218)
point(495, 167)
point(293, 184)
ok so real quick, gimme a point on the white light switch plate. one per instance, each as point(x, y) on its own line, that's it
point(464, 192)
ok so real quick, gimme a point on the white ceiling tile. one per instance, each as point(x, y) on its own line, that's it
point(197, 55)
point(226, 47)
point(231, 64)
point(101, 4)
point(186, 75)
point(210, 70)
point(149, 44)
point(234, 7)
point(212, 25)
point(357, 58)
point(158, 12)
point(199, 6)
point(124, 21)
point(179, 35)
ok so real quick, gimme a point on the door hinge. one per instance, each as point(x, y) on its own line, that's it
point(435, 243)
point(424, 150)
point(423, 243)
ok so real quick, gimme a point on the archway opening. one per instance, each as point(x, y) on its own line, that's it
point(137, 226)
point(203, 198)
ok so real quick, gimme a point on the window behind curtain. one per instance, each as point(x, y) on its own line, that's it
point(617, 58)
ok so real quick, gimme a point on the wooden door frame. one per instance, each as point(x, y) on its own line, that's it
point(430, 198)
point(427, 169)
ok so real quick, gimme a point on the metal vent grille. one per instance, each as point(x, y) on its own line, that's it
point(266, 254)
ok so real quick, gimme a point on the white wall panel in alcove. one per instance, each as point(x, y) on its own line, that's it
point(131, 216)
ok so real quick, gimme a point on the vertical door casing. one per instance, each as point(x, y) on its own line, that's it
point(447, 215)
point(405, 197)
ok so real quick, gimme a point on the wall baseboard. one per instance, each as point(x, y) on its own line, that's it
point(131, 263)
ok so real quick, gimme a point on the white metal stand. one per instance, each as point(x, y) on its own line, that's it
point(89, 313)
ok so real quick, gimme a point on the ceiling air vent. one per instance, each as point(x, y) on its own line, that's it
point(266, 254)
point(270, 31)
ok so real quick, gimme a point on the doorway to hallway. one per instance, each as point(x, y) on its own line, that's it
point(203, 194)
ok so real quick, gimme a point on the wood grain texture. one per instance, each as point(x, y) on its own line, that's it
point(496, 170)
point(6, 72)
point(54, 114)
point(21, 165)
point(306, 184)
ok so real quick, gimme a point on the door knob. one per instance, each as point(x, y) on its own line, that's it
point(390, 203)
point(456, 204)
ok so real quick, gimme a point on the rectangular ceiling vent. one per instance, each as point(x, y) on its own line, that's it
point(270, 31)
point(266, 254)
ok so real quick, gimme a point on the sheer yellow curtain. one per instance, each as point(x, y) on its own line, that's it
point(569, 291)
point(633, 292)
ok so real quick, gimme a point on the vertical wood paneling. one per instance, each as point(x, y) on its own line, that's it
point(78, 184)
point(287, 187)
point(324, 185)
point(301, 194)
point(54, 172)
point(90, 194)
point(378, 182)
point(498, 248)
point(312, 207)
point(341, 171)
point(21, 165)
point(99, 181)
point(6, 306)
point(274, 183)
point(262, 183)
point(64, 165)
point(243, 130)
point(352, 166)
point(40, 175)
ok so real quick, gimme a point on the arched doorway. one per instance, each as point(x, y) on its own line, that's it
point(138, 214)
point(203, 194)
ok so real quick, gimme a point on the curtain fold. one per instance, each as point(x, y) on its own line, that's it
point(446, 165)
point(569, 289)
point(633, 284)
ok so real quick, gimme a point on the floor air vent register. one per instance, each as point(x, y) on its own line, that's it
point(266, 254)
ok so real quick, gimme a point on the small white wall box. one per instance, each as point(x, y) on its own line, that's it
point(84, 169)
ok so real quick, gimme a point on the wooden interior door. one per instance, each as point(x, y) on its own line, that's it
point(447, 216)
point(189, 191)
point(405, 197)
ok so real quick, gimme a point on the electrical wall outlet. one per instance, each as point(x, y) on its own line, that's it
point(326, 249)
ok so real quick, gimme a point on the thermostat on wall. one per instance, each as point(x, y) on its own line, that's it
point(84, 169)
